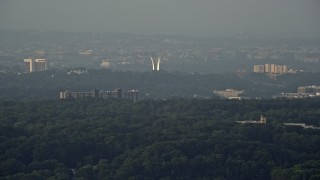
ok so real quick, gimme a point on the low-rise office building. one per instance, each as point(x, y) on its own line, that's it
point(116, 94)
point(229, 93)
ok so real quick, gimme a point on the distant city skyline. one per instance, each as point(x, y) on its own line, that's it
point(182, 17)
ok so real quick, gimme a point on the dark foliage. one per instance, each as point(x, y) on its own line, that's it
point(173, 139)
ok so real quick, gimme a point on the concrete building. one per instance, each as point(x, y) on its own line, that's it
point(302, 92)
point(308, 89)
point(34, 65)
point(41, 65)
point(271, 69)
point(116, 94)
point(29, 65)
point(68, 94)
point(267, 68)
point(105, 64)
point(296, 95)
point(229, 93)
point(278, 69)
point(258, 69)
point(285, 69)
point(263, 120)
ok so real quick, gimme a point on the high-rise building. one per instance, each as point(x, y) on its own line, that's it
point(29, 65)
point(258, 68)
point(285, 69)
point(271, 69)
point(33, 65)
point(267, 68)
point(41, 65)
point(278, 69)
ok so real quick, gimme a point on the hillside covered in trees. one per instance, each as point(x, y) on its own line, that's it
point(172, 139)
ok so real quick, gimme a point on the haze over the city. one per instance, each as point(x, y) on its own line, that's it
point(287, 18)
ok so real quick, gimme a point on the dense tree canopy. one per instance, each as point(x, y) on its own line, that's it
point(172, 139)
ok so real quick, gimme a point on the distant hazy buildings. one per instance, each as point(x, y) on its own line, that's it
point(308, 89)
point(78, 71)
point(34, 65)
point(241, 73)
point(272, 69)
point(302, 92)
point(263, 120)
point(294, 95)
point(312, 57)
point(105, 64)
point(308, 56)
point(229, 93)
point(304, 125)
point(116, 94)
point(86, 53)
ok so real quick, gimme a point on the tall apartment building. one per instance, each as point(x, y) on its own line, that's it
point(258, 68)
point(267, 68)
point(34, 65)
point(285, 69)
point(280, 69)
point(29, 65)
point(271, 69)
point(41, 65)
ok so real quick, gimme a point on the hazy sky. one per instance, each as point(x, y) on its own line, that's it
point(188, 17)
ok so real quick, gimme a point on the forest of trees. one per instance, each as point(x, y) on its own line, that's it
point(158, 139)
